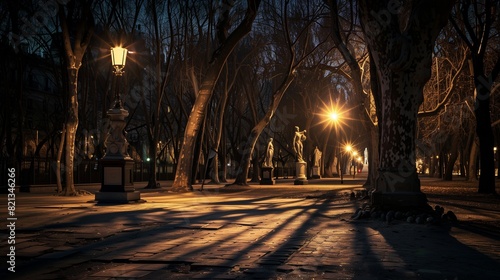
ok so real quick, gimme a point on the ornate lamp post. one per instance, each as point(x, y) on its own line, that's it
point(117, 166)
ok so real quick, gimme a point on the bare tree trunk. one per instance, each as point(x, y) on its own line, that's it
point(220, 128)
point(372, 159)
point(476, 24)
point(223, 158)
point(58, 162)
point(472, 173)
point(183, 174)
point(74, 46)
point(153, 121)
point(448, 174)
point(71, 127)
point(401, 53)
point(485, 135)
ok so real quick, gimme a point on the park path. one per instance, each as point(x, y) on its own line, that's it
point(257, 232)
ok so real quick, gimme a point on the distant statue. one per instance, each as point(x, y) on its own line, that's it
point(298, 146)
point(317, 156)
point(268, 159)
point(366, 156)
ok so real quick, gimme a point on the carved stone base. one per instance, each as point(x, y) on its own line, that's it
point(315, 173)
point(118, 197)
point(397, 190)
point(300, 168)
point(267, 176)
point(117, 175)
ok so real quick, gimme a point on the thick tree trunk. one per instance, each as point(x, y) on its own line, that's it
point(402, 60)
point(372, 159)
point(219, 132)
point(486, 142)
point(71, 127)
point(182, 181)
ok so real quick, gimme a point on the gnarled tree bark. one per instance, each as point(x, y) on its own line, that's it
point(400, 40)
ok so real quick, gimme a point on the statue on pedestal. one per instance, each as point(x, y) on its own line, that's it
point(317, 157)
point(267, 165)
point(268, 159)
point(298, 146)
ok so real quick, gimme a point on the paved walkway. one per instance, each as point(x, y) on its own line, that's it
point(257, 232)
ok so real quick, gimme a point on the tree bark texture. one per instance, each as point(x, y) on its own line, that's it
point(74, 47)
point(400, 41)
point(71, 127)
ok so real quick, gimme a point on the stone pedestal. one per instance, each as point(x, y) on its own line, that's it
point(118, 197)
point(301, 169)
point(315, 172)
point(117, 167)
point(398, 191)
point(267, 175)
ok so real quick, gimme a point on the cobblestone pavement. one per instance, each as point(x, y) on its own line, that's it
point(257, 232)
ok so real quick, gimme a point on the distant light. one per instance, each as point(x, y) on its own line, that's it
point(148, 159)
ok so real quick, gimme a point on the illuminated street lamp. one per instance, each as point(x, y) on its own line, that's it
point(117, 166)
point(118, 60)
point(348, 148)
point(335, 117)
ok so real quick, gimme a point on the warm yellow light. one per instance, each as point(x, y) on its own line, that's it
point(348, 148)
point(354, 153)
point(334, 116)
point(118, 56)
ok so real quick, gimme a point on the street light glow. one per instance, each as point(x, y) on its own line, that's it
point(348, 148)
point(334, 116)
point(118, 59)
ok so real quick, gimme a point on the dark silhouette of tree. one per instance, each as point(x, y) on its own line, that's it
point(474, 22)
